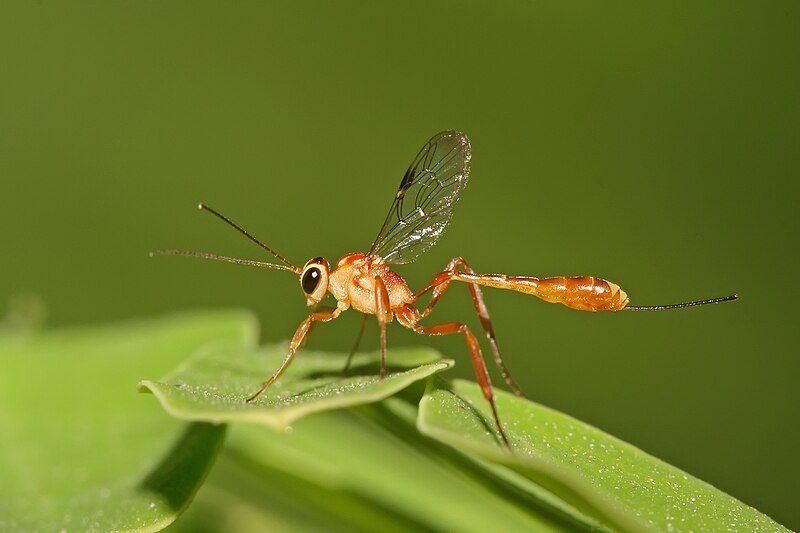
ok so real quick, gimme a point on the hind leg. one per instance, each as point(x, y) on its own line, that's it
point(409, 317)
point(440, 283)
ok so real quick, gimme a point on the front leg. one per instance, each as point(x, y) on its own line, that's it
point(297, 340)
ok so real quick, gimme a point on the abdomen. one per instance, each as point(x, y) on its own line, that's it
point(585, 293)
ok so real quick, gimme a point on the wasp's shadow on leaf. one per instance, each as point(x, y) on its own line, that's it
point(398, 415)
point(168, 479)
point(323, 379)
point(487, 424)
point(360, 370)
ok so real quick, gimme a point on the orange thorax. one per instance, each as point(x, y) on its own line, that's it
point(352, 283)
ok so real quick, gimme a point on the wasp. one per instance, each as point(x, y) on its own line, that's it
point(419, 215)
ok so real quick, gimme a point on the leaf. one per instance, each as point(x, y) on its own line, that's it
point(80, 450)
point(340, 471)
point(240, 495)
point(625, 487)
point(214, 385)
point(400, 417)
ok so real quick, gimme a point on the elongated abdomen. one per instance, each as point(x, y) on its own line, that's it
point(585, 293)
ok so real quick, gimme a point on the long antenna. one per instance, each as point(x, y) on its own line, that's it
point(241, 230)
point(216, 257)
point(721, 299)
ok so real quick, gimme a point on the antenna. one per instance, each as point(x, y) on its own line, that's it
point(729, 298)
point(216, 257)
point(241, 230)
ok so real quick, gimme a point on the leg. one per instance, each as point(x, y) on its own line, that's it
point(384, 314)
point(408, 318)
point(364, 318)
point(299, 338)
point(440, 284)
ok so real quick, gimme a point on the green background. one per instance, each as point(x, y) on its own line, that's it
point(656, 146)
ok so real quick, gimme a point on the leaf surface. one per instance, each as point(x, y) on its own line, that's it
point(81, 451)
point(598, 473)
point(213, 386)
point(340, 471)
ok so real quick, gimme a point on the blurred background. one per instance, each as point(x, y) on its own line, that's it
point(654, 146)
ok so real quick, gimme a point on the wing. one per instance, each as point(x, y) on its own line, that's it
point(424, 202)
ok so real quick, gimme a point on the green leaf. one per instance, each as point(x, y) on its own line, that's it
point(340, 471)
point(80, 450)
point(400, 418)
point(623, 485)
point(213, 386)
point(242, 495)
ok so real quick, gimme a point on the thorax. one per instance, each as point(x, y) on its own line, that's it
point(352, 283)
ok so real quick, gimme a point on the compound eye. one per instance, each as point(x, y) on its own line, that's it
point(311, 279)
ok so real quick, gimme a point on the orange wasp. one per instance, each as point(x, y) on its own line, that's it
point(419, 215)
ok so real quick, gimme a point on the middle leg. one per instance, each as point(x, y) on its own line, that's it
point(383, 312)
point(364, 318)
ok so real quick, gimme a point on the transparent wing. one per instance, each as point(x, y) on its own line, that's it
point(424, 202)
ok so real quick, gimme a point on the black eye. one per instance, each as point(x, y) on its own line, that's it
point(310, 279)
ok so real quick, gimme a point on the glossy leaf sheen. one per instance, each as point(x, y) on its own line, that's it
point(625, 486)
point(81, 451)
point(213, 386)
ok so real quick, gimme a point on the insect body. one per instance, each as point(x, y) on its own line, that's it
point(419, 214)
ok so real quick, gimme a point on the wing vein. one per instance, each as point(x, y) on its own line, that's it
point(423, 205)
